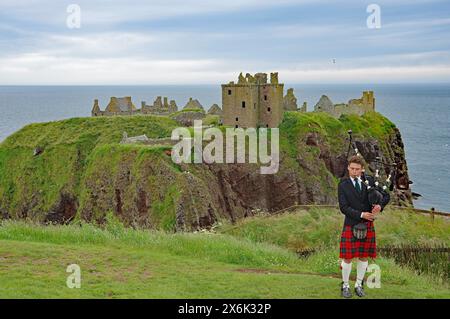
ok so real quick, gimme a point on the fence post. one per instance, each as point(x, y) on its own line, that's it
point(432, 214)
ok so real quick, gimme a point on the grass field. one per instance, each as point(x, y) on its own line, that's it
point(233, 262)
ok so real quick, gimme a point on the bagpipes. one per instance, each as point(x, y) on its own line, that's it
point(378, 189)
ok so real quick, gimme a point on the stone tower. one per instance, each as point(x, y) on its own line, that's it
point(368, 100)
point(96, 109)
point(253, 102)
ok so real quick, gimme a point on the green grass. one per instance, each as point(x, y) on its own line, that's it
point(67, 145)
point(119, 262)
point(319, 229)
point(322, 227)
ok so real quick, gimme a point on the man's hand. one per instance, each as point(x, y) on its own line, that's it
point(376, 209)
point(368, 216)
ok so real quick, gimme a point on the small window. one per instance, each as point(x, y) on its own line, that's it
point(243, 104)
point(267, 125)
point(265, 97)
point(254, 106)
point(268, 109)
point(236, 126)
point(229, 92)
point(237, 119)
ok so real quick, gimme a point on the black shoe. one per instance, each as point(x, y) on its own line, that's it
point(345, 291)
point(359, 291)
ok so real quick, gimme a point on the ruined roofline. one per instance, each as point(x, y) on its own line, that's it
point(251, 84)
point(259, 78)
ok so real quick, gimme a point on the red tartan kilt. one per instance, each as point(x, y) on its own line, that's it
point(351, 247)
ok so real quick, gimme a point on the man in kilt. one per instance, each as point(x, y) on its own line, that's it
point(354, 204)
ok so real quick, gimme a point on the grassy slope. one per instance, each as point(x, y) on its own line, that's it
point(78, 150)
point(34, 184)
point(322, 227)
point(120, 262)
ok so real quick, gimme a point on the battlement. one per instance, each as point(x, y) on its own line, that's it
point(257, 79)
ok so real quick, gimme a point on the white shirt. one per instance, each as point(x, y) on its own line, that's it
point(360, 186)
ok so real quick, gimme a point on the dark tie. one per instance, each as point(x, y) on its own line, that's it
point(358, 188)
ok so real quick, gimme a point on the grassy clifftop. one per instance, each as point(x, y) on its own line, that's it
point(81, 171)
point(251, 261)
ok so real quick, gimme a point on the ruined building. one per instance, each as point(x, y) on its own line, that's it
point(159, 107)
point(253, 102)
point(290, 102)
point(124, 106)
point(193, 104)
point(354, 106)
point(215, 110)
point(116, 106)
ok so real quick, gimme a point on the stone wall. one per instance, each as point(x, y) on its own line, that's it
point(354, 106)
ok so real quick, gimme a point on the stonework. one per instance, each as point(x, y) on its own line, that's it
point(124, 106)
point(215, 110)
point(193, 104)
point(159, 107)
point(303, 108)
point(324, 105)
point(253, 102)
point(290, 101)
point(134, 139)
point(354, 106)
point(116, 106)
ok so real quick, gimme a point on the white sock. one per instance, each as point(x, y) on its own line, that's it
point(361, 268)
point(346, 270)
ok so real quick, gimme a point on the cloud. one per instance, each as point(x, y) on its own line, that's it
point(42, 69)
point(203, 41)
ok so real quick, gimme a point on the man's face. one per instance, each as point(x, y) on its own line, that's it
point(354, 170)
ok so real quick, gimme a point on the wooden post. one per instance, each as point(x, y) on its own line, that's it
point(432, 214)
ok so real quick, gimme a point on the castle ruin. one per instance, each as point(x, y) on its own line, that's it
point(116, 106)
point(354, 106)
point(253, 102)
point(159, 107)
point(124, 106)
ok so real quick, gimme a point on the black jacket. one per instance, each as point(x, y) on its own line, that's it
point(353, 204)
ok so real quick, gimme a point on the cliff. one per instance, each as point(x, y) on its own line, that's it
point(76, 169)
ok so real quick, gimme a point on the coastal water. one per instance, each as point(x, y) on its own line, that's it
point(421, 112)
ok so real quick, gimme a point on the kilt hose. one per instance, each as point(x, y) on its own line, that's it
point(350, 247)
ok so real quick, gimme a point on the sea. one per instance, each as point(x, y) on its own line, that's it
point(420, 111)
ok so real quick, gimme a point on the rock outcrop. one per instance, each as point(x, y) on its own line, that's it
point(85, 172)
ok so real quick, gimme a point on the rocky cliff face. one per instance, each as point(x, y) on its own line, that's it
point(88, 174)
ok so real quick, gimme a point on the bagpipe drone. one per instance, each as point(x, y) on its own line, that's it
point(378, 186)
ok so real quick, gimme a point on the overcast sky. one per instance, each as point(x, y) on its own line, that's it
point(210, 41)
